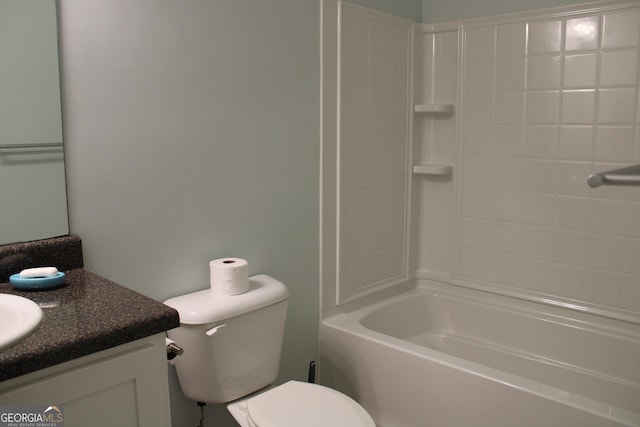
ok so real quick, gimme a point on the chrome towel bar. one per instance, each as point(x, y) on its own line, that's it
point(629, 175)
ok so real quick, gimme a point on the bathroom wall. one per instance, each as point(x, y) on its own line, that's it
point(453, 10)
point(373, 145)
point(545, 99)
point(577, 79)
point(191, 132)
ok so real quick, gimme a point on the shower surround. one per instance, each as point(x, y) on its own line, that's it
point(456, 155)
point(545, 101)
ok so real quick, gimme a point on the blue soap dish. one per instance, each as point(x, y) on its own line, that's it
point(36, 283)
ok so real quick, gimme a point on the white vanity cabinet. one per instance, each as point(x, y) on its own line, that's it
point(124, 386)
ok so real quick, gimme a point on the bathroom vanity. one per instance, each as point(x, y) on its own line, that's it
point(99, 353)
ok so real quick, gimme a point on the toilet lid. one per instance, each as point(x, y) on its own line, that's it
point(296, 404)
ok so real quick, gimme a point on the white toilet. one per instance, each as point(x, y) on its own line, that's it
point(232, 346)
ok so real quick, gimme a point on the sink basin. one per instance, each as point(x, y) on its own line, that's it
point(18, 318)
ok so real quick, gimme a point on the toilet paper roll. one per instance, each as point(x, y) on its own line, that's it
point(229, 276)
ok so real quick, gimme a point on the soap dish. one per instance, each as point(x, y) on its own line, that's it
point(36, 283)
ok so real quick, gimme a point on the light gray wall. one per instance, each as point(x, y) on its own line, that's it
point(452, 10)
point(192, 133)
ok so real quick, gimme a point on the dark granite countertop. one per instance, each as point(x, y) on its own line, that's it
point(87, 314)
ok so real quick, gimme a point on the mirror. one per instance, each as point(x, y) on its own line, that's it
point(33, 202)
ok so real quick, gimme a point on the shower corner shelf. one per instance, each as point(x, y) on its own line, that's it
point(433, 108)
point(433, 169)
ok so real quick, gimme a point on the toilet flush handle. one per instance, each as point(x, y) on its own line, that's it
point(215, 329)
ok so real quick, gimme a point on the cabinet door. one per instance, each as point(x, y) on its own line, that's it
point(124, 389)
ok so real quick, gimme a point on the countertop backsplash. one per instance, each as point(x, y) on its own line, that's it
point(64, 253)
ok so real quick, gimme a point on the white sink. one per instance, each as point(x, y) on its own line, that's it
point(18, 318)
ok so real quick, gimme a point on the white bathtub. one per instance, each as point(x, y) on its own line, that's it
point(440, 355)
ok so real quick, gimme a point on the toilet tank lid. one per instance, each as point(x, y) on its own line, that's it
point(205, 306)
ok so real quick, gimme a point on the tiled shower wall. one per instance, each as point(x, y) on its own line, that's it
point(546, 99)
point(543, 99)
point(374, 69)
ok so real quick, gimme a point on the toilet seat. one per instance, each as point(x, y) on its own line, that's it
point(295, 404)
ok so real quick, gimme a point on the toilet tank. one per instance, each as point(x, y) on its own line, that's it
point(232, 343)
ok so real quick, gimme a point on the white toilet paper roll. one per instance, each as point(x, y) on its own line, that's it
point(229, 276)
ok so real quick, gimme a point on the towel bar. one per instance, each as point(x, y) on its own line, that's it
point(629, 175)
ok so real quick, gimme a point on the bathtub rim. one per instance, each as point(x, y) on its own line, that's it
point(464, 290)
point(349, 322)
